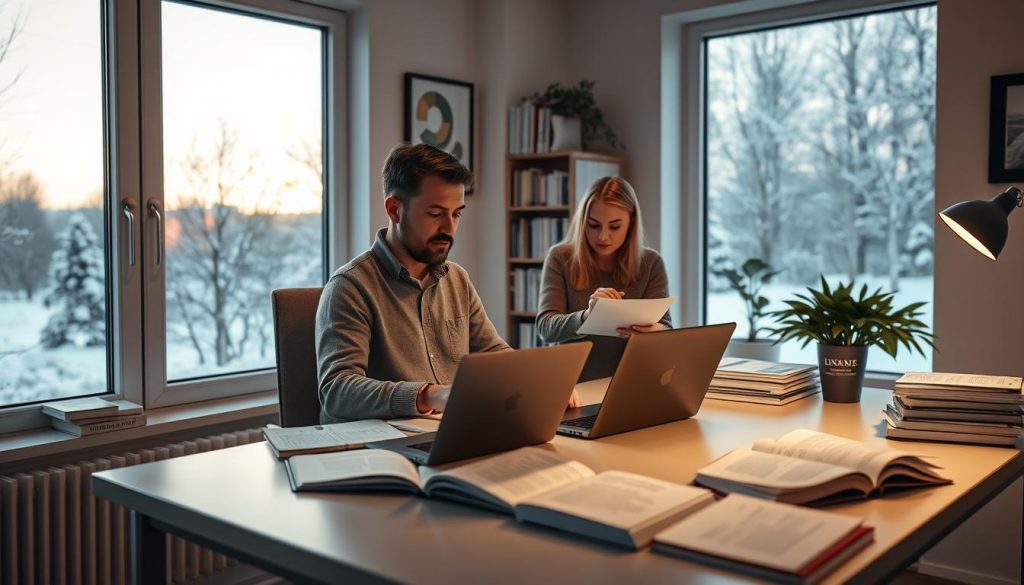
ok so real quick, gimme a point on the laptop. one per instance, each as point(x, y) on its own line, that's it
point(499, 401)
point(662, 377)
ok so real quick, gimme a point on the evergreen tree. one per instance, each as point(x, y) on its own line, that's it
point(77, 301)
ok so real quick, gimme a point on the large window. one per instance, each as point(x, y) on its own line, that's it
point(163, 166)
point(820, 149)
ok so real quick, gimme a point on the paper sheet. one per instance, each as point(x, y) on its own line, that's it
point(610, 314)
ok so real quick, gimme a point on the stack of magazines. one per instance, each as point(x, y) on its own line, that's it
point(743, 380)
point(959, 408)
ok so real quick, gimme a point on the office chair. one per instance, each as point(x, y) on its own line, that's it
point(295, 348)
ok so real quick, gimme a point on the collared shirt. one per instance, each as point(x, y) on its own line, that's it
point(381, 334)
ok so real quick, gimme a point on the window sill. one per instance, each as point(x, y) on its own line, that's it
point(196, 418)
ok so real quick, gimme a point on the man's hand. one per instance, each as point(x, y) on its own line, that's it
point(574, 400)
point(602, 293)
point(433, 398)
point(627, 331)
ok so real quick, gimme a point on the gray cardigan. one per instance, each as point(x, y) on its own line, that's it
point(560, 312)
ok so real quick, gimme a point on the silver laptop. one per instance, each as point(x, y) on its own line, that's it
point(662, 377)
point(499, 401)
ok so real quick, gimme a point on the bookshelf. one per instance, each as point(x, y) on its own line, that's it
point(541, 191)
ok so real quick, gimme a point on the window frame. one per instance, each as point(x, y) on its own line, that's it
point(693, 62)
point(130, 67)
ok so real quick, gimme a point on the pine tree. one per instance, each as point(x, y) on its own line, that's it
point(78, 298)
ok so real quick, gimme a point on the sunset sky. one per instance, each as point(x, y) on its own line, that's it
point(262, 77)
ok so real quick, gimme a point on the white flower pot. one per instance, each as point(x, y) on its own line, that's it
point(566, 133)
point(761, 349)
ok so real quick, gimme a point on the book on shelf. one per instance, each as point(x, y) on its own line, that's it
point(528, 336)
point(532, 237)
point(529, 128)
point(288, 442)
point(80, 408)
point(767, 540)
point(539, 188)
point(525, 289)
point(532, 483)
point(806, 466)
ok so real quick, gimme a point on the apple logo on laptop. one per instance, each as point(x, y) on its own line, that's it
point(512, 402)
point(666, 378)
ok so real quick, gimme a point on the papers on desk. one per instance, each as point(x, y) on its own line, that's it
point(760, 382)
point(290, 441)
point(611, 314)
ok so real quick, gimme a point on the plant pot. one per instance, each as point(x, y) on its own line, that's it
point(566, 133)
point(841, 368)
point(762, 349)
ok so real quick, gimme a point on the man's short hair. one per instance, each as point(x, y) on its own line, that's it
point(407, 165)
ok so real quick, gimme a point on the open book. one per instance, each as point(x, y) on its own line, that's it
point(535, 484)
point(290, 441)
point(806, 466)
point(768, 540)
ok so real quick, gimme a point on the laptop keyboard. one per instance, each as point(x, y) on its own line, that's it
point(586, 422)
point(425, 447)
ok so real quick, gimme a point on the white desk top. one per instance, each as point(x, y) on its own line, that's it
point(241, 496)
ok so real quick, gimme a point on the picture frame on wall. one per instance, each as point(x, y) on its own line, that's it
point(1006, 130)
point(439, 112)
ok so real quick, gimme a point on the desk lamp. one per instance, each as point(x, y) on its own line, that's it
point(983, 224)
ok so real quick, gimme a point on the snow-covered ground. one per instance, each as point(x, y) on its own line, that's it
point(727, 306)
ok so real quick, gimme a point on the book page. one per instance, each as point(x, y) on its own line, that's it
point(620, 499)
point(340, 466)
point(354, 434)
point(774, 471)
point(514, 476)
point(610, 314)
point(815, 446)
point(735, 365)
point(760, 532)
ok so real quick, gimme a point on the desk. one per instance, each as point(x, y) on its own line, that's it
point(237, 501)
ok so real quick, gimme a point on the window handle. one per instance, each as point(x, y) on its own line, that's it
point(155, 212)
point(128, 209)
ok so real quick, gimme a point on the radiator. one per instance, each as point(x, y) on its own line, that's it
point(53, 530)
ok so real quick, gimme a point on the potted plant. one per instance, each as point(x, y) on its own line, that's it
point(748, 282)
point(575, 102)
point(845, 326)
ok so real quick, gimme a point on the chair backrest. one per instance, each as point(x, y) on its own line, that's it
point(295, 347)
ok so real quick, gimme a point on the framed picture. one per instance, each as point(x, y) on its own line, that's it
point(439, 112)
point(1006, 130)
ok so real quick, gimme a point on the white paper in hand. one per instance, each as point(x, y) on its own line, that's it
point(611, 314)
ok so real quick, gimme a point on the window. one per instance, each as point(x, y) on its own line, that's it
point(819, 159)
point(163, 166)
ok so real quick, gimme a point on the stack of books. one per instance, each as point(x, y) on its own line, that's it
point(956, 408)
point(743, 380)
point(92, 415)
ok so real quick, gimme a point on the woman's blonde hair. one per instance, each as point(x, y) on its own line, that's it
point(582, 266)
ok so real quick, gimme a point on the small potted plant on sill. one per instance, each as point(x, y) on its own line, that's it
point(576, 121)
point(748, 282)
point(845, 327)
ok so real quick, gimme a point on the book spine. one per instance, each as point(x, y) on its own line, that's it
point(96, 428)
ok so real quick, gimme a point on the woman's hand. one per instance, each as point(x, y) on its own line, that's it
point(574, 400)
point(602, 293)
point(627, 331)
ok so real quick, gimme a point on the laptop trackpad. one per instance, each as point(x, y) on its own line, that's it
point(581, 412)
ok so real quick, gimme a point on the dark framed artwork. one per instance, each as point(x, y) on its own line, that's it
point(439, 112)
point(1006, 130)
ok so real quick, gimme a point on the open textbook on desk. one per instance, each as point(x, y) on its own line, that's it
point(806, 466)
point(535, 484)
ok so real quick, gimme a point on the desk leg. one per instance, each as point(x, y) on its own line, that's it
point(149, 559)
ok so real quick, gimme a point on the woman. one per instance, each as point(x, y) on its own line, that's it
point(602, 257)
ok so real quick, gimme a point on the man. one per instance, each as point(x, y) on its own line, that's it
point(393, 324)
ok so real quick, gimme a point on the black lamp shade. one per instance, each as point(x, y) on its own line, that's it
point(982, 224)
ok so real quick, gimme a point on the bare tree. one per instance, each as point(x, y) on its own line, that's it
point(215, 251)
point(26, 238)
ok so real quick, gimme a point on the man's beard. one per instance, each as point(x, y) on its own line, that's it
point(423, 254)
